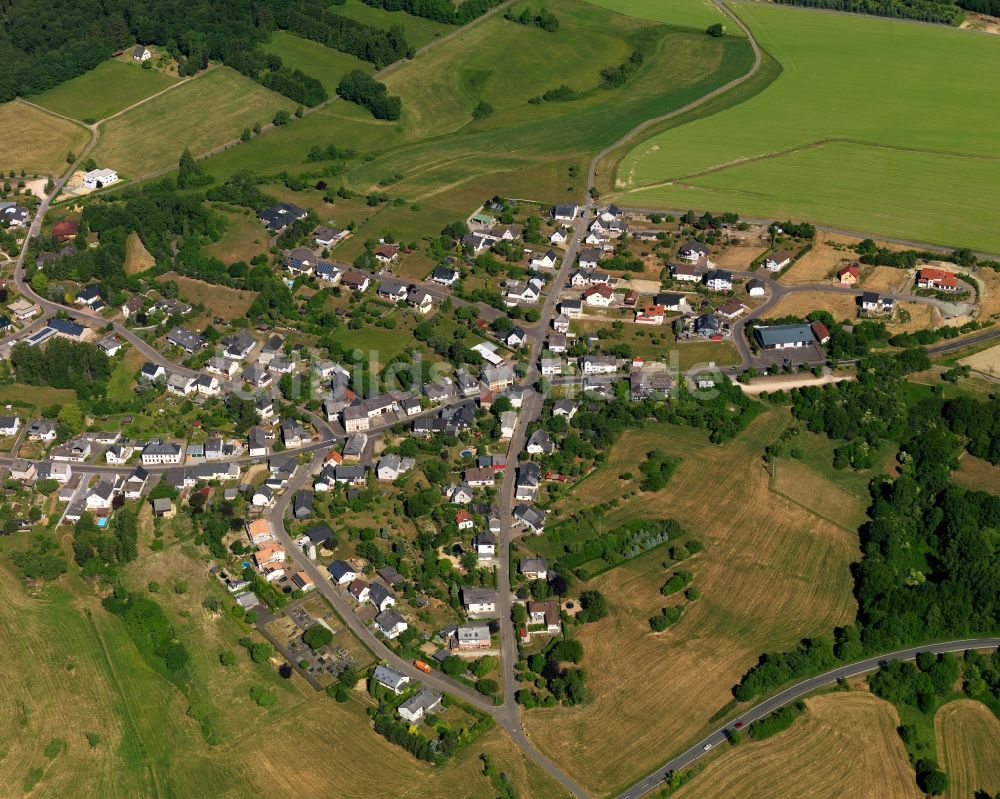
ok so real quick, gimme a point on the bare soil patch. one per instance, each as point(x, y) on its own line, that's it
point(841, 306)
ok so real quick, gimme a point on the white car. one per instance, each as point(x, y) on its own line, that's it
point(707, 747)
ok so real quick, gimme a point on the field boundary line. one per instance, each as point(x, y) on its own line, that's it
point(811, 511)
point(43, 109)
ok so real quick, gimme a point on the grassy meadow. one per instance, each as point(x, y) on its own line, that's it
point(207, 111)
point(445, 161)
point(105, 90)
point(419, 31)
point(857, 131)
point(36, 141)
point(845, 745)
point(687, 13)
point(324, 63)
point(771, 573)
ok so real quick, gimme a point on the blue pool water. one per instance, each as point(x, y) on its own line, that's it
point(246, 564)
point(102, 522)
point(466, 453)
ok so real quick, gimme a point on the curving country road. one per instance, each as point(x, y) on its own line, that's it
point(796, 691)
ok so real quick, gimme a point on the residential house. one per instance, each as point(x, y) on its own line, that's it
point(100, 496)
point(133, 305)
point(686, 273)
point(259, 531)
point(571, 308)
point(589, 258)
point(392, 289)
point(546, 613)
point(208, 385)
point(530, 518)
point(528, 480)
point(479, 601)
point(390, 467)
point(777, 261)
point(561, 323)
point(99, 178)
point(140, 53)
point(515, 338)
point(135, 483)
point(650, 315)
point(355, 281)
point(820, 332)
point(89, 295)
point(719, 280)
point(391, 679)
point(566, 212)
point(472, 636)
point(479, 477)
point(381, 597)
point(708, 325)
point(938, 279)
point(692, 251)
point(559, 237)
point(278, 217)
point(263, 496)
point(385, 254)
point(540, 443)
point(533, 568)
point(485, 544)
point(731, 309)
point(780, 337)
point(497, 378)
point(391, 624)
point(9, 425)
point(302, 504)
point(420, 299)
point(445, 276)
point(163, 508)
point(341, 572)
point(328, 236)
point(152, 372)
point(546, 261)
point(181, 385)
point(551, 367)
point(598, 364)
point(849, 275)
point(756, 287)
point(464, 520)
point(22, 470)
point(185, 339)
point(239, 346)
point(158, 452)
point(508, 420)
point(329, 272)
point(564, 407)
point(599, 296)
point(423, 702)
point(359, 589)
point(303, 581)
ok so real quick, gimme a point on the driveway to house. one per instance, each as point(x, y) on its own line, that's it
point(797, 691)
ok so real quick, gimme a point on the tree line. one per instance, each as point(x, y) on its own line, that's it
point(359, 87)
point(924, 10)
point(380, 47)
point(438, 10)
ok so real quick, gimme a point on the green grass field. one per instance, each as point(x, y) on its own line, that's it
point(449, 162)
point(324, 63)
point(688, 13)
point(419, 31)
point(105, 90)
point(206, 112)
point(857, 131)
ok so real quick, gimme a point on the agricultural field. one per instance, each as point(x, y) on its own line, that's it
point(857, 146)
point(36, 141)
point(207, 111)
point(218, 300)
point(323, 63)
point(38, 396)
point(105, 90)
point(977, 474)
point(845, 745)
point(987, 362)
point(790, 567)
point(686, 13)
point(968, 743)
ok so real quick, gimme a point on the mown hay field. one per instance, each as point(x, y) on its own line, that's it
point(36, 141)
point(206, 112)
point(771, 573)
point(968, 743)
point(845, 745)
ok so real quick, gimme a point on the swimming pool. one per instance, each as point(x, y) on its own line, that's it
point(102, 522)
point(466, 453)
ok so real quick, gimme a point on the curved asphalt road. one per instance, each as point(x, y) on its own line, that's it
point(790, 695)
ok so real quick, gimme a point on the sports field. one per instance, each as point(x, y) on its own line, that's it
point(968, 743)
point(687, 13)
point(36, 141)
point(207, 111)
point(858, 131)
point(771, 573)
point(324, 63)
point(844, 745)
point(106, 89)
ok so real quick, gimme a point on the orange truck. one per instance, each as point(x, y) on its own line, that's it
point(422, 666)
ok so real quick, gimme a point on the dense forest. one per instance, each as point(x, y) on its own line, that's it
point(941, 11)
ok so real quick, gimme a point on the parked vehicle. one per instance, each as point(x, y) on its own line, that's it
point(422, 666)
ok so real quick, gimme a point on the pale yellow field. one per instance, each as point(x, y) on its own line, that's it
point(219, 300)
point(771, 574)
point(244, 238)
point(884, 278)
point(738, 258)
point(987, 361)
point(137, 257)
point(968, 741)
point(841, 306)
point(35, 140)
point(806, 487)
point(977, 474)
point(922, 317)
point(845, 745)
point(829, 252)
point(989, 292)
